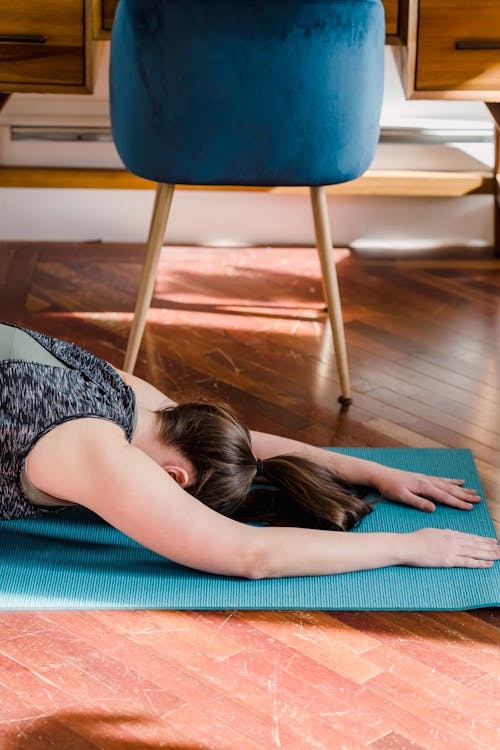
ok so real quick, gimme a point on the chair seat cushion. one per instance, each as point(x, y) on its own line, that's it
point(247, 92)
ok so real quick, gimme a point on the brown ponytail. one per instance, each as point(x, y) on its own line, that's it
point(219, 447)
point(311, 496)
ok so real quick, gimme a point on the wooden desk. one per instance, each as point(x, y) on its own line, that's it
point(105, 10)
point(47, 46)
point(445, 50)
point(450, 49)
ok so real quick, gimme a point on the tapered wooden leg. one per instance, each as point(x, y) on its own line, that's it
point(4, 98)
point(331, 287)
point(496, 177)
point(163, 201)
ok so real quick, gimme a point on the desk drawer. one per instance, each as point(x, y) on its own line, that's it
point(458, 45)
point(105, 11)
point(108, 13)
point(42, 42)
point(391, 17)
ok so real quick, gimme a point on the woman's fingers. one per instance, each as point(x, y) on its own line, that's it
point(423, 501)
point(469, 562)
point(480, 544)
point(465, 535)
point(421, 491)
point(450, 494)
point(476, 551)
point(473, 551)
point(451, 500)
point(448, 548)
point(470, 496)
point(454, 485)
point(458, 482)
point(416, 501)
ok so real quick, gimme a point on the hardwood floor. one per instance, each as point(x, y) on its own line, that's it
point(248, 325)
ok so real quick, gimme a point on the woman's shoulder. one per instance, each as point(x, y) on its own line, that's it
point(59, 460)
point(146, 394)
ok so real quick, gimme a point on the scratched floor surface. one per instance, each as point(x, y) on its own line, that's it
point(248, 326)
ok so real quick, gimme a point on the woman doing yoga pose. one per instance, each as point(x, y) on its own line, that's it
point(177, 478)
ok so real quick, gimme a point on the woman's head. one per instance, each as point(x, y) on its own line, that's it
point(219, 448)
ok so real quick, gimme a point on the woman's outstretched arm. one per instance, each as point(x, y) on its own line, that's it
point(411, 488)
point(89, 462)
point(417, 490)
point(290, 551)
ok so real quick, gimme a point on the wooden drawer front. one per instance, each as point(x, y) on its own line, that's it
point(108, 8)
point(444, 27)
point(391, 16)
point(108, 13)
point(42, 42)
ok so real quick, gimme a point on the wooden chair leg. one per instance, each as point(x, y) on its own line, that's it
point(331, 287)
point(496, 177)
point(163, 201)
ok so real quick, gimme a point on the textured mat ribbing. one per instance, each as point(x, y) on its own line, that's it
point(76, 561)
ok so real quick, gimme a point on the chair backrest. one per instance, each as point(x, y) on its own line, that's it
point(247, 92)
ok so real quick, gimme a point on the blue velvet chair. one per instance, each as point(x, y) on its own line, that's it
point(249, 93)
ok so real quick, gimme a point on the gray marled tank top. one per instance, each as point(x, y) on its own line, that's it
point(35, 398)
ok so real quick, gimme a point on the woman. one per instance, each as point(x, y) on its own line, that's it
point(74, 430)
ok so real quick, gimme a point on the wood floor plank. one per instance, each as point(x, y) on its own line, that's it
point(489, 688)
point(428, 642)
point(42, 734)
point(151, 658)
point(18, 279)
point(219, 672)
point(394, 741)
point(357, 704)
point(305, 686)
point(401, 337)
point(264, 685)
point(441, 700)
point(322, 640)
point(463, 625)
point(487, 435)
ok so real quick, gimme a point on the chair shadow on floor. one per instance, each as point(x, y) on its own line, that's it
point(83, 730)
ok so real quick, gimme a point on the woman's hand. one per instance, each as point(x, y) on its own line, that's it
point(444, 548)
point(418, 490)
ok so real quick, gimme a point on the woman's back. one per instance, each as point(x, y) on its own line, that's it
point(44, 383)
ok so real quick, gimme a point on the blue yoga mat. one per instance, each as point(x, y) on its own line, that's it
point(77, 561)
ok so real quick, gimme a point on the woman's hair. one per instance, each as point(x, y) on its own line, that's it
point(219, 447)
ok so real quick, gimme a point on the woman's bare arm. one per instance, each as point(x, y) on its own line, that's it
point(298, 552)
point(91, 463)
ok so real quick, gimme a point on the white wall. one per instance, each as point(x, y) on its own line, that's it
point(240, 217)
